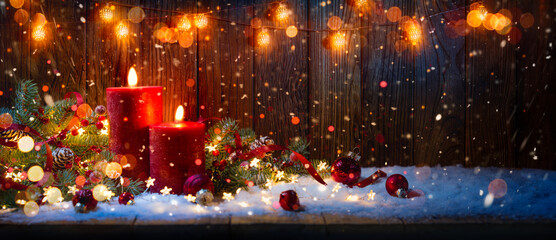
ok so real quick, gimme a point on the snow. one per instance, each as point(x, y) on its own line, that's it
point(451, 192)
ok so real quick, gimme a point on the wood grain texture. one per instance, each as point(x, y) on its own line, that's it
point(15, 51)
point(491, 96)
point(387, 111)
point(335, 83)
point(439, 93)
point(536, 68)
point(281, 75)
point(226, 63)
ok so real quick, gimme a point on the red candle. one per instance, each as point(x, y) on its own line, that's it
point(177, 151)
point(130, 111)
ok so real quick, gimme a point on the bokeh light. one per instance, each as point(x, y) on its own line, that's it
point(291, 31)
point(113, 170)
point(527, 20)
point(21, 16)
point(338, 40)
point(185, 39)
point(334, 23)
point(35, 173)
point(31, 209)
point(38, 33)
point(84, 110)
point(53, 195)
point(17, 3)
point(26, 144)
point(498, 188)
point(106, 13)
point(99, 192)
point(394, 14)
point(122, 30)
point(136, 15)
point(200, 21)
point(6, 120)
point(281, 13)
point(263, 39)
point(184, 24)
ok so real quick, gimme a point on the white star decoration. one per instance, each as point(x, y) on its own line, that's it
point(166, 190)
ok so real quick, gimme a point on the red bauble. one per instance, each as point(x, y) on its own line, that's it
point(346, 170)
point(126, 198)
point(397, 185)
point(99, 125)
point(85, 197)
point(196, 182)
point(289, 200)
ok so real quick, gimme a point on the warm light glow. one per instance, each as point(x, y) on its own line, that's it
point(179, 113)
point(338, 40)
point(360, 3)
point(113, 170)
point(132, 77)
point(53, 195)
point(263, 39)
point(122, 30)
point(183, 24)
point(38, 33)
point(31, 209)
point(107, 13)
point(291, 31)
point(201, 21)
point(281, 13)
point(26, 144)
point(35, 173)
point(413, 32)
point(101, 193)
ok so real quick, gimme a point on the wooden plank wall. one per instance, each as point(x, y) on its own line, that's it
point(459, 96)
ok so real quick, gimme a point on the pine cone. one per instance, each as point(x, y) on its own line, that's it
point(262, 141)
point(62, 156)
point(12, 135)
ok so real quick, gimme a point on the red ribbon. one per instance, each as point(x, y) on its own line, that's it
point(269, 148)
point(77, 96)
point(371, 179)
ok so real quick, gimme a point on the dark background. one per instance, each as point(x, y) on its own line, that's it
point(462, 95)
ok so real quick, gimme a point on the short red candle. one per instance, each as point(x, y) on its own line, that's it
point(177, 151)
point(130, 111)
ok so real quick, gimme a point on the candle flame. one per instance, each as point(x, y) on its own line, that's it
point(179, 113)
point(132, 77)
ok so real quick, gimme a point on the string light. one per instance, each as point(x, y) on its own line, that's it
point(122, 30)
point(291, 31)
point(263, 39)
point(26, 144)
point(183, 23)
point(413, 32)
point(39, 33)
point(281, 13)
point(200, 21)
point(106, 13)
point(338, 40)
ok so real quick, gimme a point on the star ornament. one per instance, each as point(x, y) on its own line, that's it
point(165, 191)
point(371, 195)
point(150, 182)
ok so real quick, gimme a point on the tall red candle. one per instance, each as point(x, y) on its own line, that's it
point(131, 110)
point(177, 151)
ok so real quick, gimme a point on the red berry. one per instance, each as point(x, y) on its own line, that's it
point(99, 125)
point(101, 118)
point(215, 153)
point(74, 132)
point(84, 122)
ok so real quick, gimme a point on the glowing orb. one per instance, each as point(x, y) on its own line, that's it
point(21, 16)
point(291, 31)
point(84, 110)
point(53, 195)
point(201, 21)
point(26, 144)
point(6, 120)
point(498, 188)
point(183, 23)
point(334, 23)
point(263, 39)
point(107, 13)
point(122, 30)
point(99, 192)
point(113, 170)
point(281, 13)
point(17, 3)
point(136, 15)
point(38, 33)
point(185, 39)
point(31, 209)
point(35, 173)
point(338, 40)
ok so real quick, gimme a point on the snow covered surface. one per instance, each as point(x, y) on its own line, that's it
point(451, 192)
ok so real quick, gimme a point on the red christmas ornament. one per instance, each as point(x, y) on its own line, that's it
point(289, 200)
point(397, 186)
point(99, 125)
point(85, 197)
point(84, 122)
point(215, 153)
point(196, 182)
point(126, 198)
point(346, 170)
